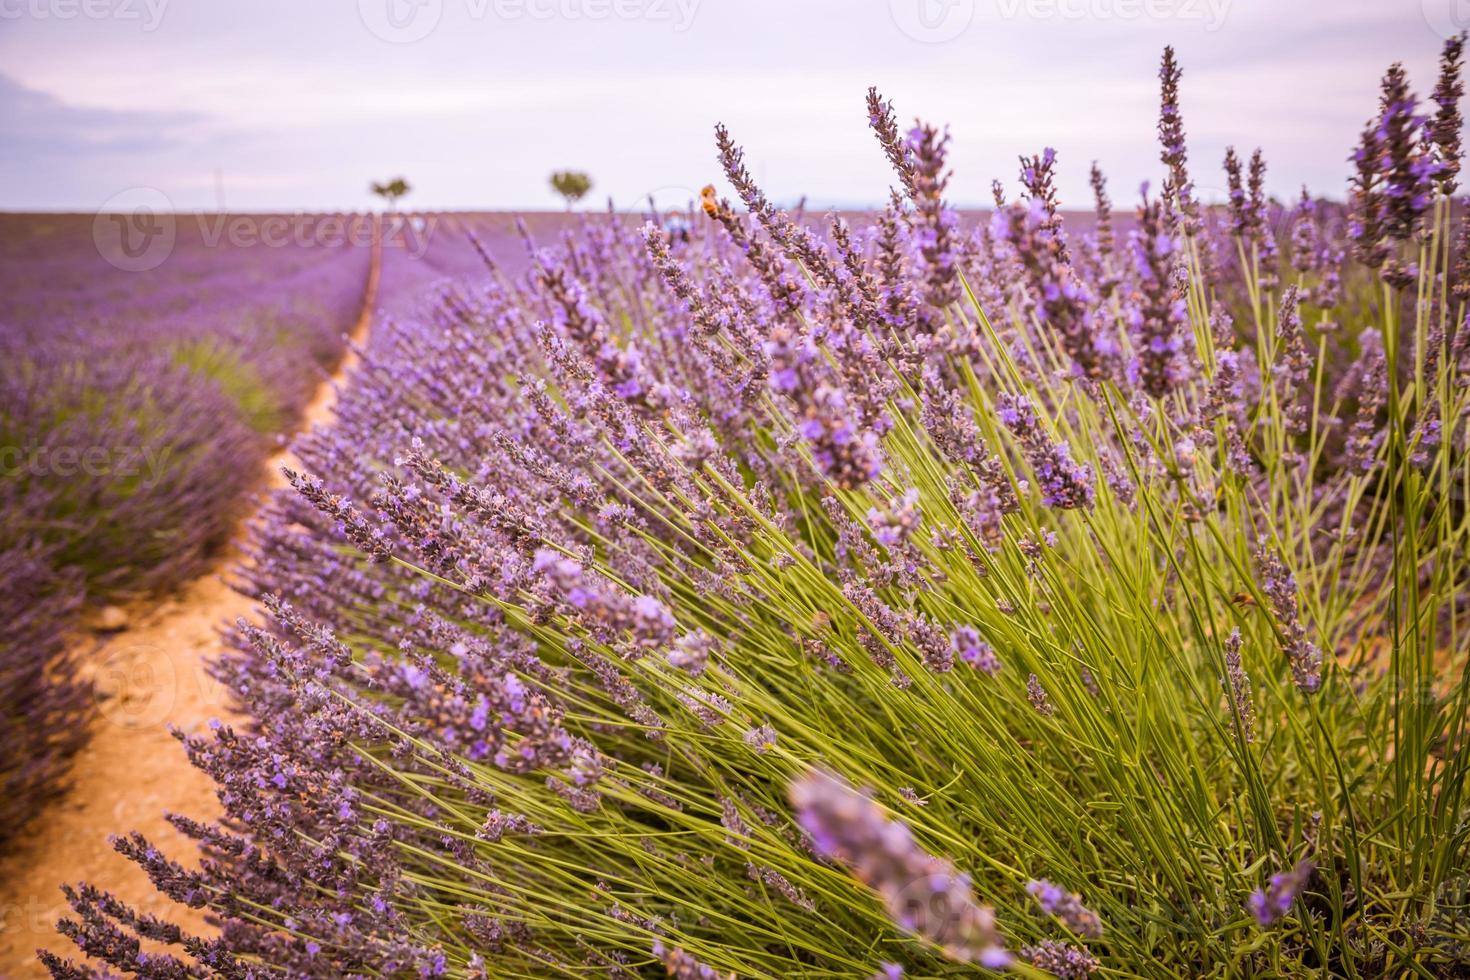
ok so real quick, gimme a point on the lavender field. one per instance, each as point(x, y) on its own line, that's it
point(720, 585)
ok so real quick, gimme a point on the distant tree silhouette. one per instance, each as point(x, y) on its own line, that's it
point(571, 184)
point(391, 191)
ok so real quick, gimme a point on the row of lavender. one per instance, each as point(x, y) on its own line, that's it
point(918, 599)
point(134, 406)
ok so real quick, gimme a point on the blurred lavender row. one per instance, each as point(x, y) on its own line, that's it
point(136, 411)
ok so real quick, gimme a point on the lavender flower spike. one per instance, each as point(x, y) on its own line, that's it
point(1238, 686)
point(924, 894)
point(970, 648)
point(1301, 653)
point(935, 225)
point(682, 966)
point(1409, 165)
point(1062, 960)
point(1156, 311)
point(1444, 129)
point(1275, 900)
point(1038, 697)
point(1067, 907)
point(1178, 189)
point(1064, 483)
point(893, 525)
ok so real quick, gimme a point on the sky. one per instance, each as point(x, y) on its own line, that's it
point(288, 105)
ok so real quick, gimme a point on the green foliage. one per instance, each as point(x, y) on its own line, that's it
point(217, 363)
point(124, 478)
point(573, 185)
point(391, 191)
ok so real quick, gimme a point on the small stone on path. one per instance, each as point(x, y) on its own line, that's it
point(112, 619)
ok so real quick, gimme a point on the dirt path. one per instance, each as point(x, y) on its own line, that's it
point(149, 677)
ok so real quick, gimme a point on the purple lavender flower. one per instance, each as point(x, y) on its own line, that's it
point(1178, 190)
point(1061, 960)
point(972, 650)
point(1065, 304)
point(1064, 483)
point(683, 966)
point(1366, 225)
point(602, 606)
point(933, 643)
point(1292, 370)
point(1038, 697)
point(1408, 166)
point(1369, 383)
point(1238, 686)
point(893, 525)
point(1057, 901)
point(1038, 177)
point(1280, 588)
point(885, 127)
point(1156, 309)
point(1103, 210)
point(1260, 233)
point(1240, 211)
point(1306, 236)
point(1444, 130)
point(691, 652)
point(762, 738)
point(844, 451)
point(1271, 903)
point(935, 226)
point(924, 894)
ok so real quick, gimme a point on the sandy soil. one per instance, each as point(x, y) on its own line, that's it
point(149, 677)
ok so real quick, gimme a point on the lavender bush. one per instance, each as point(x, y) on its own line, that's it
point(130, 402)
point(903, 599)
point(42, 708)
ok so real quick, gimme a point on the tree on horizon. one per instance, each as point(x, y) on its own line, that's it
point(391, 191)
point(572, 185)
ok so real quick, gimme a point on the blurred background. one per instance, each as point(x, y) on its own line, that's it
point(284, 105)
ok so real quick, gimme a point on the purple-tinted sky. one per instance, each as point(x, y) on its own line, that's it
point(299, 103)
